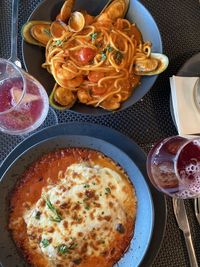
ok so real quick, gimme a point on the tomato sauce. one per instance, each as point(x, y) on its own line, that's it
point(43, 172)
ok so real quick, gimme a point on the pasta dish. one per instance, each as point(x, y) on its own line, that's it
point(96, 64)
point(95, 60)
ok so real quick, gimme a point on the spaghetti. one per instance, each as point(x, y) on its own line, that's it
point(96, 65)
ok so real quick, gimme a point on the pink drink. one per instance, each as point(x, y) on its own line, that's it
point(173, 166)
point(22, 110)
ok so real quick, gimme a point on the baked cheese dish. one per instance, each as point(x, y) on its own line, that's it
point(73, 207)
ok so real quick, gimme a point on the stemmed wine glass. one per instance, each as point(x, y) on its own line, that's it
point(24, 103)
point(173, 166)
point(24, 106)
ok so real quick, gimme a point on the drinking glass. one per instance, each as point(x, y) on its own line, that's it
point(24, 102)
point(173, 166)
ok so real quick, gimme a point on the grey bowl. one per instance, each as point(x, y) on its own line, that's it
point(33, 56)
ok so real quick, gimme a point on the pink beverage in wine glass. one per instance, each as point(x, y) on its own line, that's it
point(173, 166)
point(23, 101)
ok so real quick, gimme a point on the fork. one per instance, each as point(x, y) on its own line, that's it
point(197, 208)
point(14, 30)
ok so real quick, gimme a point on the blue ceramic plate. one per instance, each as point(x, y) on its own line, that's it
point(33, 56)
point(66, 135)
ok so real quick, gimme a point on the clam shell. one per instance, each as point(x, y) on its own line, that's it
point(76, 21)
point(58, 28)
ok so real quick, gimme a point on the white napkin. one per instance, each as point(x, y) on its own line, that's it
point(186, 113)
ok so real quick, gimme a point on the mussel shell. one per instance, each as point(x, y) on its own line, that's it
point(163, 64)
point(41, 32)
point(120, 6)
point(76, 21)
point(65, 11)
point(55, 104)
point(27, 34)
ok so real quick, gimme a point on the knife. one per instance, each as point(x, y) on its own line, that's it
point(182, 220)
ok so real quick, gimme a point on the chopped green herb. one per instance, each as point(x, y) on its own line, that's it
point(94, 183)
point(86, 186)
point(63, 249)
point(49, 204)
point(57, 217)
point(47, 32)
point(109, 48)
point(45, 243)
point(93, 36)
point(58, 42)
point(102, 212)
point(87, 207)
point(108, 191)
point(118, 57)
point(103, 56)
point(73, 246)
point(37, 215)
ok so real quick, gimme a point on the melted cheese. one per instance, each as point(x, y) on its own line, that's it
point(88, 206)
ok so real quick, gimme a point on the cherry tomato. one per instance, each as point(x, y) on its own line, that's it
point(95, 76)
point(86, 54)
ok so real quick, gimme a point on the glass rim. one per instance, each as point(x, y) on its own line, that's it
point(20, 71)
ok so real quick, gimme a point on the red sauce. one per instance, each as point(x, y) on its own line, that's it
point(29, 188)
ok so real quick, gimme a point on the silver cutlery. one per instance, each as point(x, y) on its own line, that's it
point(182, 220)
point(197, 208)
point(14, 31)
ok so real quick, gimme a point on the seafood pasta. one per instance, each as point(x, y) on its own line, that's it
point(95, 60)
point(96, 64)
